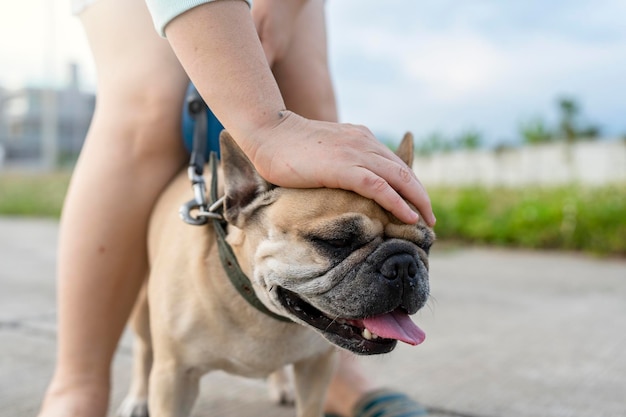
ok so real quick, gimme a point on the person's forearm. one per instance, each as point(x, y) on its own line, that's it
point(218, 46)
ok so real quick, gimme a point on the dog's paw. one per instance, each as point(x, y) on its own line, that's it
point(280, 387)
point(133, 407)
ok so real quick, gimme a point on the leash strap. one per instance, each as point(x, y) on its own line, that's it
point(229, 262)
point(196, 107)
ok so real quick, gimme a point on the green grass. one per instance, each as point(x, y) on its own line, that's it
point(570, 218)
point(589, 219)
point(38, 195)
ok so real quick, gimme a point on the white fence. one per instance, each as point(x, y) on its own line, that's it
point(589, 163)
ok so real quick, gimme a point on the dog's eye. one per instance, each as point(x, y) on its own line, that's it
point(338, 243)
point(333, 244)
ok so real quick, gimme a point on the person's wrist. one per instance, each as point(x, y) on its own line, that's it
point(261, 141)
point(261, 132)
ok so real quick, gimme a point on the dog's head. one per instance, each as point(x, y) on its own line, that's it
point(328, 258)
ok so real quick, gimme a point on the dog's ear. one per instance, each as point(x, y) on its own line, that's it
point(406, 149)
point(242, 182)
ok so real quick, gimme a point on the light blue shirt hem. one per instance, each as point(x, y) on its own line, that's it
point(164, 11)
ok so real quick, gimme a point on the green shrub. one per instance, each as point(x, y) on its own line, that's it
point(571, 217)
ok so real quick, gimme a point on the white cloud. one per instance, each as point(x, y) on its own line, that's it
point(487, 67)
point(453, 65)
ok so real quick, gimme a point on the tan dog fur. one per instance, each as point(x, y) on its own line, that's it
point(197, 322)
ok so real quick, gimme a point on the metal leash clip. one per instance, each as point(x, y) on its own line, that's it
point(196, 108)
point(198, 203)
point(203, 214)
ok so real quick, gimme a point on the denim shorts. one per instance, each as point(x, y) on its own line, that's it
point(211, 134)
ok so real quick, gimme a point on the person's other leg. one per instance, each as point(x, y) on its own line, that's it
point(305, 83)
point(132, 150)
point(303, 74)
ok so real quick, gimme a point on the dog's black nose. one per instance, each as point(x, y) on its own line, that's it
point(401, 266)
point(403, 273)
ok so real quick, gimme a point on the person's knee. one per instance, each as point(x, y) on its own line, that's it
point(157, 117)
point(145, 120)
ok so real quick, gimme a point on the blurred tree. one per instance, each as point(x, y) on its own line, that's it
point(470, 139)
point(570, 127)
point(438, 143)
point(568, 113)
point(433, 143)
point(535, 131)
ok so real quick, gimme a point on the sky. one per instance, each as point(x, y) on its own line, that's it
point(410, 65)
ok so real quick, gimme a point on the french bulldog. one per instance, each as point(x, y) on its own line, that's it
point(342, 270)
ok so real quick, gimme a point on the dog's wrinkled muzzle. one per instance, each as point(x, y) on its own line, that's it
point(368, 309)
point(393, 275)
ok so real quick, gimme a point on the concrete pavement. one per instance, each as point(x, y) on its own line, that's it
point(509, 334)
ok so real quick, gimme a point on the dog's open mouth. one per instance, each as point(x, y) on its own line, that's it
point(367, 336)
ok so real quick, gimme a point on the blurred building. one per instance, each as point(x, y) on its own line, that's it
point(30, 116)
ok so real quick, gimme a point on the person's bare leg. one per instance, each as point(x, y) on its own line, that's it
point(132, 150)
point(303, 74)
point(305, 83)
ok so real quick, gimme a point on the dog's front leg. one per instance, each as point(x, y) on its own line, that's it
point(136, 402)
point(173, 389)
point(312, 377)
point(280, 384)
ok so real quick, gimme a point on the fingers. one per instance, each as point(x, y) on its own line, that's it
point(386, 179)
point(415, 192)
point(364, 182)
point(401, 178)
point(387, 185)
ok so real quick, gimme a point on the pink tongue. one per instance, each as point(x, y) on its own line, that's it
point(395, 325)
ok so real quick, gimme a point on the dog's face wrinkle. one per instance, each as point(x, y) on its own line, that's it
point(319, 282)
point(320, 279)
point(420, 235)
point(337, 250)
point(363, 291)
point(338, 239)
point(351, 230)
point(427, 239)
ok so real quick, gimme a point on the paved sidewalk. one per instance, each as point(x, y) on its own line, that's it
point(509, 334)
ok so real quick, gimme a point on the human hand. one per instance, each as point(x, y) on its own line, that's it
point(274, 21)
point(301, 153)
point(286, 149)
